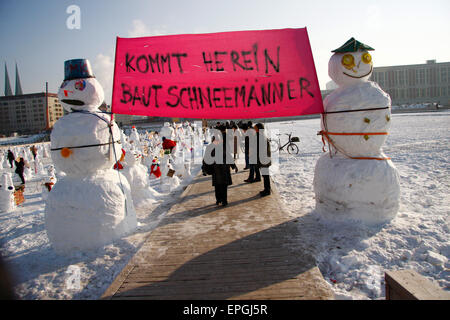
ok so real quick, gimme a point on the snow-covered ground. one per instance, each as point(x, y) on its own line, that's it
point(22, 139)
point(40, 273)
point(352, 257)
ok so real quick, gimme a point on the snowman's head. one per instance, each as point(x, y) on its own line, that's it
point(130, 159)
point(351, 63)
point(80, 90)
point(81, 94)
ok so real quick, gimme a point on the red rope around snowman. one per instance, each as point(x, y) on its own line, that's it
point(326, 134)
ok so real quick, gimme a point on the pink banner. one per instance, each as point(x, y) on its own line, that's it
point(230, 75)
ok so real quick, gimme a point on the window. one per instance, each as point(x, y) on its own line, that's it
point(444, 75)
point(380, 78)
point(401, 77)
point(420, 75)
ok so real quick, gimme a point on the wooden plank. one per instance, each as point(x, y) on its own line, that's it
point(409, 285)
point(248, 250)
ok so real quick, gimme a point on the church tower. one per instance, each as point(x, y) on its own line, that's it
point(18, 86)
point(8, 91)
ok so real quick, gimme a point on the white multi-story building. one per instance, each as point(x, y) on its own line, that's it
point(412, 84)
point(29, 113)
point(418, 83)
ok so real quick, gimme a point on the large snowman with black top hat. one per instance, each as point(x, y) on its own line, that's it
point(355, 179)
point(91, 205)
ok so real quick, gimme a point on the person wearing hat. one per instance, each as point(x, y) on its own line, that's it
point(11, 158)
point(20, 167)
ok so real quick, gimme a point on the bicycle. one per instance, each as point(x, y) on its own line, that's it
point(291, 147)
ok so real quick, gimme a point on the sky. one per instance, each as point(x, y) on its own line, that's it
point(34, 34)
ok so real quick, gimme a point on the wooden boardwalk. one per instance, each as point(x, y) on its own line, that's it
point(247, 250)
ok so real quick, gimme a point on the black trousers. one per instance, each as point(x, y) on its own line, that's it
point(21, 177)
point(254, 171)
point(221, 192)
point(266, 182)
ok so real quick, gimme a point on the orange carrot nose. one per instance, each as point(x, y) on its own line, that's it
point(66, 152)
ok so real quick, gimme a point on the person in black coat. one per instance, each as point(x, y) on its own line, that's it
point(11, 158)
point(220, 170)
point(20, 166)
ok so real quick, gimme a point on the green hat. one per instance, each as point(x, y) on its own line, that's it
point(352, 45)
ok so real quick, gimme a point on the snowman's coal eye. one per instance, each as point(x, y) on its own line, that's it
point(348, 61)
point(366, 58)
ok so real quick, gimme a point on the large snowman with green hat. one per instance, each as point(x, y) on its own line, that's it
point(91, 205)
point(355, 179)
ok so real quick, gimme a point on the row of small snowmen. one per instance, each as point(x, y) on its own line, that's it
point(34, 167)
point(143, 155)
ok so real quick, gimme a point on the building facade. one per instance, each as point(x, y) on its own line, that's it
point(29, 113)
point(411, 84)
point(418, 83)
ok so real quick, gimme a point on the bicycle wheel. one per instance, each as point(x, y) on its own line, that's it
point(292, 148)
point(274, 146)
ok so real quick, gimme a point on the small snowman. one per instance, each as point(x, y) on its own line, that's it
point(155, 171)
point(49, 181)
point(168, 181)
point(137, 175)
point(2, 159)
point(135, 138)
point(91, 204)
point(7, 200)
point(356, 180)
point(167, 131)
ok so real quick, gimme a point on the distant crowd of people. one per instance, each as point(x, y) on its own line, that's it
point(257, 161)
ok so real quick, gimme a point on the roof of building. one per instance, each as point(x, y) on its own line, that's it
point(29, 96)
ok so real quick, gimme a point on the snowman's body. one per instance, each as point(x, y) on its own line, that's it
point(361, 96)
point(135, 138)
point(138, 177)
point(167, 131)
point(2, 159)
point(39, 166)
point(356, 180)
point(7, 201)
point(91, 204)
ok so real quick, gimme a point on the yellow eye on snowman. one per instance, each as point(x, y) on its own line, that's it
point(348, 61)
point(366, 58)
